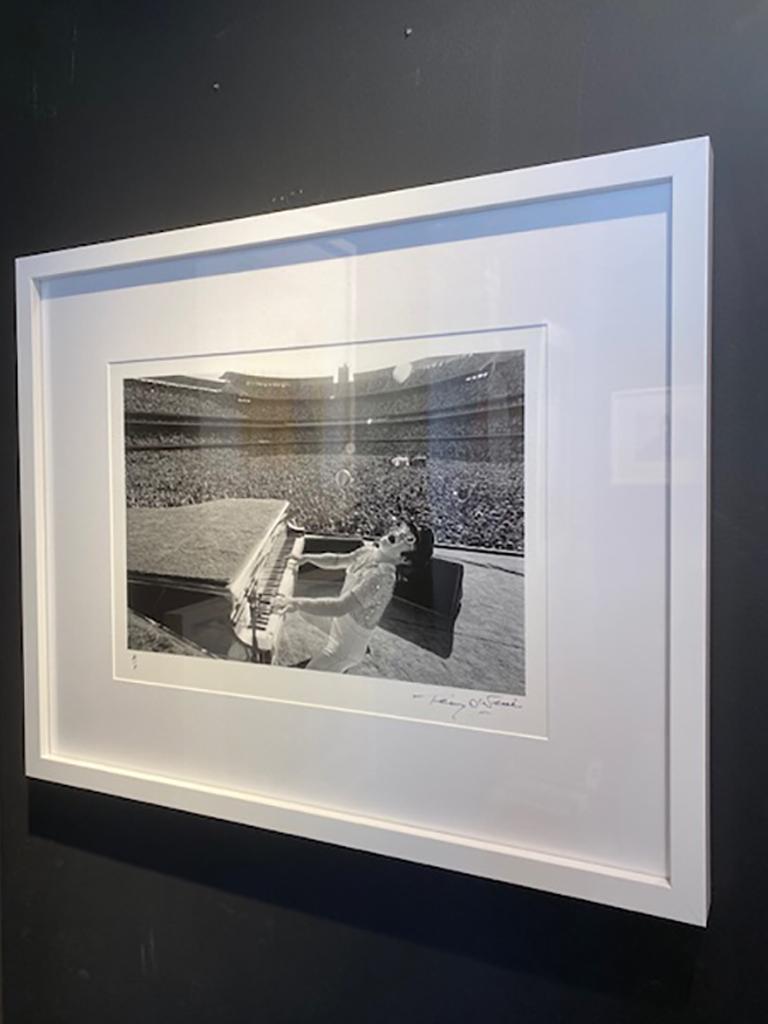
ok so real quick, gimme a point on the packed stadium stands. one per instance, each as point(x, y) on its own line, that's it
point(494, 382)
point(481, 424)
point(439, 439)
point(473, 504)
point(147, 398)
point(273, 388)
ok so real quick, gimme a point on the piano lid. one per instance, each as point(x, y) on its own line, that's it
point(213, 541)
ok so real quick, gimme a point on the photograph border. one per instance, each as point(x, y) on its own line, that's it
point(353, 693)
point(686, 168)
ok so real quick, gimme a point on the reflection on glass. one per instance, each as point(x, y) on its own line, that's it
point(352, 508)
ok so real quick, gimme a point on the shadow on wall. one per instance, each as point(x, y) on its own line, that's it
point(583, 945)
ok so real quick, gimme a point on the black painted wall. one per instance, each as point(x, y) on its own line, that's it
point(121, 119)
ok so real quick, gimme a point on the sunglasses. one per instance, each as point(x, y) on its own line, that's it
point(402, 534)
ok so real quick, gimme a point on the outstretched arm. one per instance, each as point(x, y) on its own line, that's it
point(328, 560)
point(369, 592)
point(331, 606)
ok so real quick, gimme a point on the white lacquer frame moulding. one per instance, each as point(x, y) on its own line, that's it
point(683, 894)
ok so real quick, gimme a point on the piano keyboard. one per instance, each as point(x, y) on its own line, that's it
point(255, 624)
point(269, 586)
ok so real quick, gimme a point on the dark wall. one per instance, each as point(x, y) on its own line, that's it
point(121, 119)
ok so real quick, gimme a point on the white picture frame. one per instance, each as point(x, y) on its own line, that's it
point(603, 264)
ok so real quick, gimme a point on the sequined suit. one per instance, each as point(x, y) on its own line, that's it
point(368, 587)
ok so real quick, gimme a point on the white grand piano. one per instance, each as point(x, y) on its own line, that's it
point(210, 572)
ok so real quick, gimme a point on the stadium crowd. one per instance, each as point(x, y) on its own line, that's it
point(279, 387)
point(473, 504)
point(503, 383)
point(346, 463)
point(430, 371)
point(487, 423)
point(148, 397)
point(499, 383)
point(502, 448)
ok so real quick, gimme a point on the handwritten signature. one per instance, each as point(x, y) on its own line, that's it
point(484, 705)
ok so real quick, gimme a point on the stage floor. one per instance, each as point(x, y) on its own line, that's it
point(488, 646)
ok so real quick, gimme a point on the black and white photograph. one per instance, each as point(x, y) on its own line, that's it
point(353, 509)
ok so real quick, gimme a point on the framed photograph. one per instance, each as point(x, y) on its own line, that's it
point(385, 523)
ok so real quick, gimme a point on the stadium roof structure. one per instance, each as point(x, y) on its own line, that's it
point(211, 542)
point(432, 370)
point(418, 373)
point(277, 387)
point(183, 381)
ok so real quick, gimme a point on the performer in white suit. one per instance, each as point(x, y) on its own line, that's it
point(369, 582)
